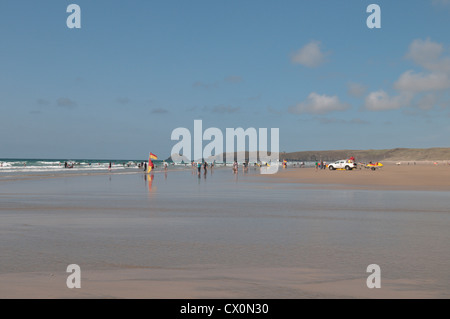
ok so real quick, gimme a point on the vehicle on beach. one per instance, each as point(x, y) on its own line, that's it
point(348, 165)
point(373, 166)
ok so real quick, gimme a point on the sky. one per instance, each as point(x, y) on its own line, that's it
point(118, 86)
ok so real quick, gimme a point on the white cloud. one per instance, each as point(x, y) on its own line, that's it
point(424, 51)
point(319, 104)
point(419, 82)
point(310, 55)
point(417, 89)
point(381, 101)
point(427, 54)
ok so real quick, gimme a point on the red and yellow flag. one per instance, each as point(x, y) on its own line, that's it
point(150, 163)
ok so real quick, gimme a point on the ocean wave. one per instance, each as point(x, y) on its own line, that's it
point(47, 168)
point(44, 162)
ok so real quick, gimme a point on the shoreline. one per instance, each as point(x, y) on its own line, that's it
point(422, 176)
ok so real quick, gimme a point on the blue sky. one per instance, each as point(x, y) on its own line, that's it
point(136, 70)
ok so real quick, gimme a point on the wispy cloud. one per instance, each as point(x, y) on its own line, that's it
point(123, 100)
point(441, 2)
point(233, 79)
point(42, 102)
point(159, 110)
point(428, 101)
point(274, 111)
point(204, 85)
point(222, 109)
point(356, 89)
point(310, 55)
point(254, 98)
point(65, 102)
point(333, 120)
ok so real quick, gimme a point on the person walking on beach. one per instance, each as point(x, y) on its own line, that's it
point(109, 168)
point(235, 167)
point(145, 167)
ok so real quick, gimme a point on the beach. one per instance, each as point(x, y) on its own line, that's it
point(300, 233)
point(390, 177)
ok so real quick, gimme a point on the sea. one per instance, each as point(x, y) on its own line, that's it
point(14, 167)
point(58, 165)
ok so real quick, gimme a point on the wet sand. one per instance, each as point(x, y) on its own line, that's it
point(209, 283)
point(297, 234)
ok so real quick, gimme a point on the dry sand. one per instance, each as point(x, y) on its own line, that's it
point(390, 177)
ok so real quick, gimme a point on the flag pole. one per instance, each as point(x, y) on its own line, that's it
point(149, 167)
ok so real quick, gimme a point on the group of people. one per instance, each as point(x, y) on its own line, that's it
point(321, 165)
point(199, 166)
point(68, 165)
point(236, 167)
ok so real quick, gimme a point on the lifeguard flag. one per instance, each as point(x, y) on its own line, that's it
point(150, 163)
